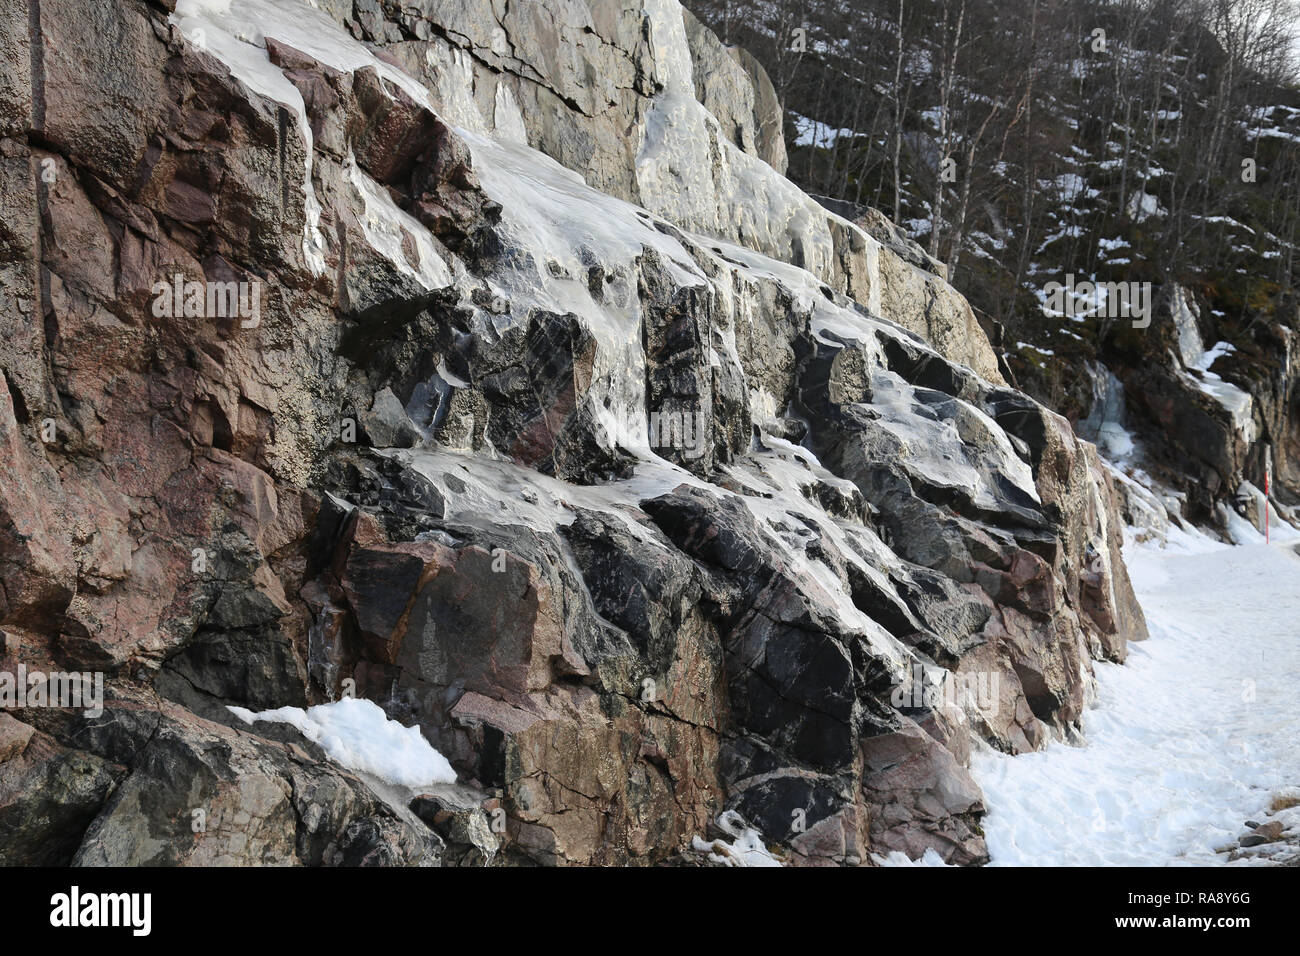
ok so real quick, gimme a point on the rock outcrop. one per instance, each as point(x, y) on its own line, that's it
point(1211, 412)
point(542, 411)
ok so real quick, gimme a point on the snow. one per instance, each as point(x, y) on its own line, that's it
point(813, 132)
point(357, 734)
point(1275, 132)
point(1227, 221)
point(747, 849)
point(1237, 401)
point(1066, 232)
point(1070, 187)
point(1187, 740)
point(931, 857)
point(1036, 348)
point(1142, 205)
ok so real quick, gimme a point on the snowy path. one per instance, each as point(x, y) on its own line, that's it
point(1186, 741)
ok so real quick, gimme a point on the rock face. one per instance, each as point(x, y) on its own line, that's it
point(1217, 407)
point(647, 494)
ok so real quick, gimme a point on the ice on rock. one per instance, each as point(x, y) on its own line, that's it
point(479, 489)
point(557, 233)
point(1190, 346)
point(690, 173)
point(1237, 401)
point(236, 31)
point(935, 441)
point(1104, 424)
point(385, 225)
point(554, 217)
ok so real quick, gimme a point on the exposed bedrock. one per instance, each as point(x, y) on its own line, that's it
point(548, 416)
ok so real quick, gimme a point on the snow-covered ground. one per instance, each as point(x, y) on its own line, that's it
point(1189, 739)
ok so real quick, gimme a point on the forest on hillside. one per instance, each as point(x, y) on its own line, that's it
point(1019, 142)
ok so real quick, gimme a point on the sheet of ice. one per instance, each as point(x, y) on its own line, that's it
point(1104, 424)
point(386, 227)
point(774, 480)
point(358, 735)
point(1237, 401)
point(297, 23)
point(1186, 741)
point(565, 227)
point(1190, 345)
point(693, 175)
point(235, 31)
point(477, 489)
point(1115, 441)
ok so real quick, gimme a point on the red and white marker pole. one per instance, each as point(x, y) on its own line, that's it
point(1268, 485)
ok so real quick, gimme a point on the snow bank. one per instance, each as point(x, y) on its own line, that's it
point(358, 735)
point(1186, 741)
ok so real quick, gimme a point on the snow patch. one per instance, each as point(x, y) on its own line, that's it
point(357, 734)
point(931, 857)
point(747, 848)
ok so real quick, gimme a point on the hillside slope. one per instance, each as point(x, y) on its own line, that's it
point(1132, 148)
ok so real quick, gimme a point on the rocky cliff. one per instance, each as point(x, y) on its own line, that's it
point(476, 359)
point(1158, 157)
